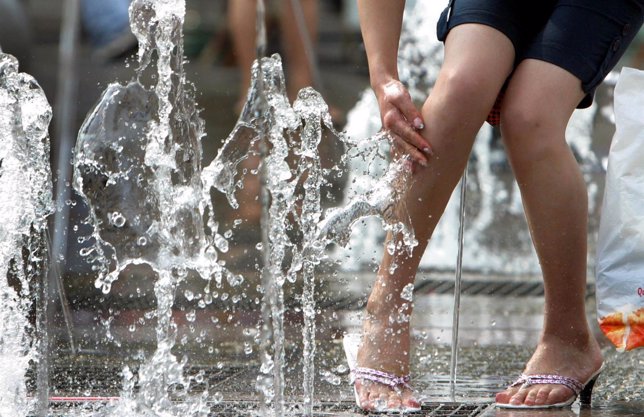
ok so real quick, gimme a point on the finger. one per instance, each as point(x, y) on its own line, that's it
point(404, 148)
point(400, 127)
point(411, 114)
point(399, 153)
point(398, 95)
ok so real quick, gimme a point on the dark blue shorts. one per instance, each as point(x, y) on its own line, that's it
point(584, 37)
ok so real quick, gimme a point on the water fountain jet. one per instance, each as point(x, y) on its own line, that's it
point(26, 194)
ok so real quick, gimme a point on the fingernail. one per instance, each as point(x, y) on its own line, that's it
point(418, 124)
point(423, 163)
point(428, 151)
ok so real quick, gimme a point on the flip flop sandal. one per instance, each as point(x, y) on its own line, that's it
point(351, 343)
point(583, 391)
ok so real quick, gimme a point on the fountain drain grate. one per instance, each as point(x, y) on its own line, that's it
point(428, 409)
point(483, 287)
point(446, 286)
point(342, 409)
point(83, 380)
point(348, 409)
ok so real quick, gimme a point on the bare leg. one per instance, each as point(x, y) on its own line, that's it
point(478, 59)
point(534, 119)
point(299, 68)
point(241, 22)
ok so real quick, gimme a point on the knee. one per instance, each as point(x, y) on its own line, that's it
point(530, 132)
point(464, 87)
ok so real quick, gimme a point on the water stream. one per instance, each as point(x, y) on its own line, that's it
point(138, 165)
point(25, 204)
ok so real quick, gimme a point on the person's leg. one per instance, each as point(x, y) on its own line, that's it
point(300, 73)
point(538, 103)
point(241, 24)
point(478, 59)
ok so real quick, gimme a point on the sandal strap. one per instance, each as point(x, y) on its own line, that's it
point(528, 380)
point(380, 377)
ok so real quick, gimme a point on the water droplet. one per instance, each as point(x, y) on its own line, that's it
point(221, 243)
point(341, 369)
point(217, 397)
point(191, 315)
point(407, 292)
point(330, 377)
point(117, 219)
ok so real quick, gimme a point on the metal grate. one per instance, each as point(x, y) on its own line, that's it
point(446, 286)
point(348, 409)
point(342, 409)
point(482, 287)
point(83, 380)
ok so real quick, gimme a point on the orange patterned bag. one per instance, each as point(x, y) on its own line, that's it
point(620, 245)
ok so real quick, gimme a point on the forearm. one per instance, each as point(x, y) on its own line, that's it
point(381, 23)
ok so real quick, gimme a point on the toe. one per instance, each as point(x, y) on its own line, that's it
point(394, 402)
point(530, 398)
point(542, 396)
point(558, 395)
point(381, 402)
point(410, 401)
point(504, 397)
point(519, 397)
point(363, 396)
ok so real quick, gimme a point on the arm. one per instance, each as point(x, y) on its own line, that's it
point(381, 23)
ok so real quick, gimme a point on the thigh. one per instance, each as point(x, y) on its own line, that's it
point(520, 21)
point(478, 60)
point(587, 38)
point(541, 96)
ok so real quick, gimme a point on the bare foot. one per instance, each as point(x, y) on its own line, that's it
point(385, 347)
point(555, 356)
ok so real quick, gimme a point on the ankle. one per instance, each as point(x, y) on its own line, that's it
point(579, 337)
point(389, 314)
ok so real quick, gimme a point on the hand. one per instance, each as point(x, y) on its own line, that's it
point(404, 121)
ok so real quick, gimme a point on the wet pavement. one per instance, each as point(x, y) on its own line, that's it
point(497, 335)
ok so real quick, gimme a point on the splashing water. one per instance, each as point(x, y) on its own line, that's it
point(293, 179)
point(26, 201)
point(138, 165)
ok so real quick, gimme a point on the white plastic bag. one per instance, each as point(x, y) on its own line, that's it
point(620, 246)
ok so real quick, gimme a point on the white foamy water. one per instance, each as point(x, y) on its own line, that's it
point(25, 203)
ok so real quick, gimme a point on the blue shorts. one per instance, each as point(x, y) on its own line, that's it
point(584, 37)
